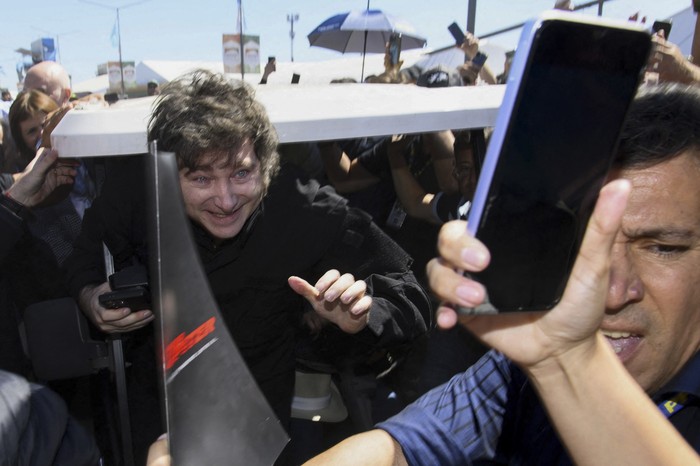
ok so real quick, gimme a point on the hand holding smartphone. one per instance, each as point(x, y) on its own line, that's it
point(130, 289)
point(394, 48)
point(479, 60)
point(662, 26)
point(572, 81)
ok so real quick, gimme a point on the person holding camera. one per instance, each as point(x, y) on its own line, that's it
point(287, 260)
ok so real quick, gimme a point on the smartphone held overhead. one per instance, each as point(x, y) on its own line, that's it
point(664, 26)
point(394, 48)
point(457, 33)
point(572, 80)
point(479, 60)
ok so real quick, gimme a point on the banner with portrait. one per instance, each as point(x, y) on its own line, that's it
point(115, 75)
point(231, 44)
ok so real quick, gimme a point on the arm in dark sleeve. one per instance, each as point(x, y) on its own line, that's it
point(460, 422)
point(401, 309)
point(36, 427)
point(116, 218)
point(6, 180)
point(85, 265)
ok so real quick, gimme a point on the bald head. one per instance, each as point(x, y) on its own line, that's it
point(50, 78)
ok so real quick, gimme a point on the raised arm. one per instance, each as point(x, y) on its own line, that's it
point(346, 176)
point(601, 414)
point(414, 199)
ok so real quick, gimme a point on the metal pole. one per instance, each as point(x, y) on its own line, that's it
point(600, 7)
point(119, 34)
point(121, 64)
point(364, 51)
point(291, 18)
point(471, 16)
point(240, 36)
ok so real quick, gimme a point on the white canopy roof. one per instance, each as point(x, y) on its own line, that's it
point(299, 113)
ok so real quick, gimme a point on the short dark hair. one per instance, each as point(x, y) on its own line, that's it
point(663, 122)
point(203, 112)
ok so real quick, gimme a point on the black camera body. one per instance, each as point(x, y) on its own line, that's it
point(129, 289)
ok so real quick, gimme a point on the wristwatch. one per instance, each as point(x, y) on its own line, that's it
point(13, 206)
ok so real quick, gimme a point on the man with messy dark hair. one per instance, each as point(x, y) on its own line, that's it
point(287, 260)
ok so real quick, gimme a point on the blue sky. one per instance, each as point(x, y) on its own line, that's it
point(191, 30)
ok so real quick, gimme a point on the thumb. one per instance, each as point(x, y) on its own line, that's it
point(589, 278)
point(303, 288)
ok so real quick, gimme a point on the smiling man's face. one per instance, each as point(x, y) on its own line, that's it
point(221, 195)
point(652, 314)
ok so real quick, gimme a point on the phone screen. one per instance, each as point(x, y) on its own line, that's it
point(553, 143)
point(662, 26)
point(479, 59)
point(457, 33)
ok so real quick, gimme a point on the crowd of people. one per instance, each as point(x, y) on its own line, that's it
point(611, 375)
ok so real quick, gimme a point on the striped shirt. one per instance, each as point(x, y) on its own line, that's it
point(491, 414)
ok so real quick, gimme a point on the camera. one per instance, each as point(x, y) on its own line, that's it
point(129, 289)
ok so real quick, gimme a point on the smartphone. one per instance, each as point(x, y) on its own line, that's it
point(135, 298)
point(457, 33)
point(270, 59)
point(295, 78)
point(696, 6)
point(479, 59)
point(662, 26)
point(394, 48)
point(571, 83)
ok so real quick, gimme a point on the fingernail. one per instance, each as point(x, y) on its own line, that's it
point(469, 294)
point(474, 257)
point(330, 296)
point(147, 314)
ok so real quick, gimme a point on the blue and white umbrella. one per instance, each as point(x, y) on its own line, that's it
point(365, 31)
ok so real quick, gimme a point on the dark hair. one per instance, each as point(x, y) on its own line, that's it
point(203, 112)
point(28, 104)
point(663, 122)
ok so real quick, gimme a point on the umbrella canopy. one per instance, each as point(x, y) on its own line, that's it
point(346, 32)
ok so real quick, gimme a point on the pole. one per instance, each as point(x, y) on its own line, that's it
point(119, 35)
point(121, 64)
point(471, 16)
point(600, 7)
point(240, 36)
point(291, 18)
point(364, 50)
